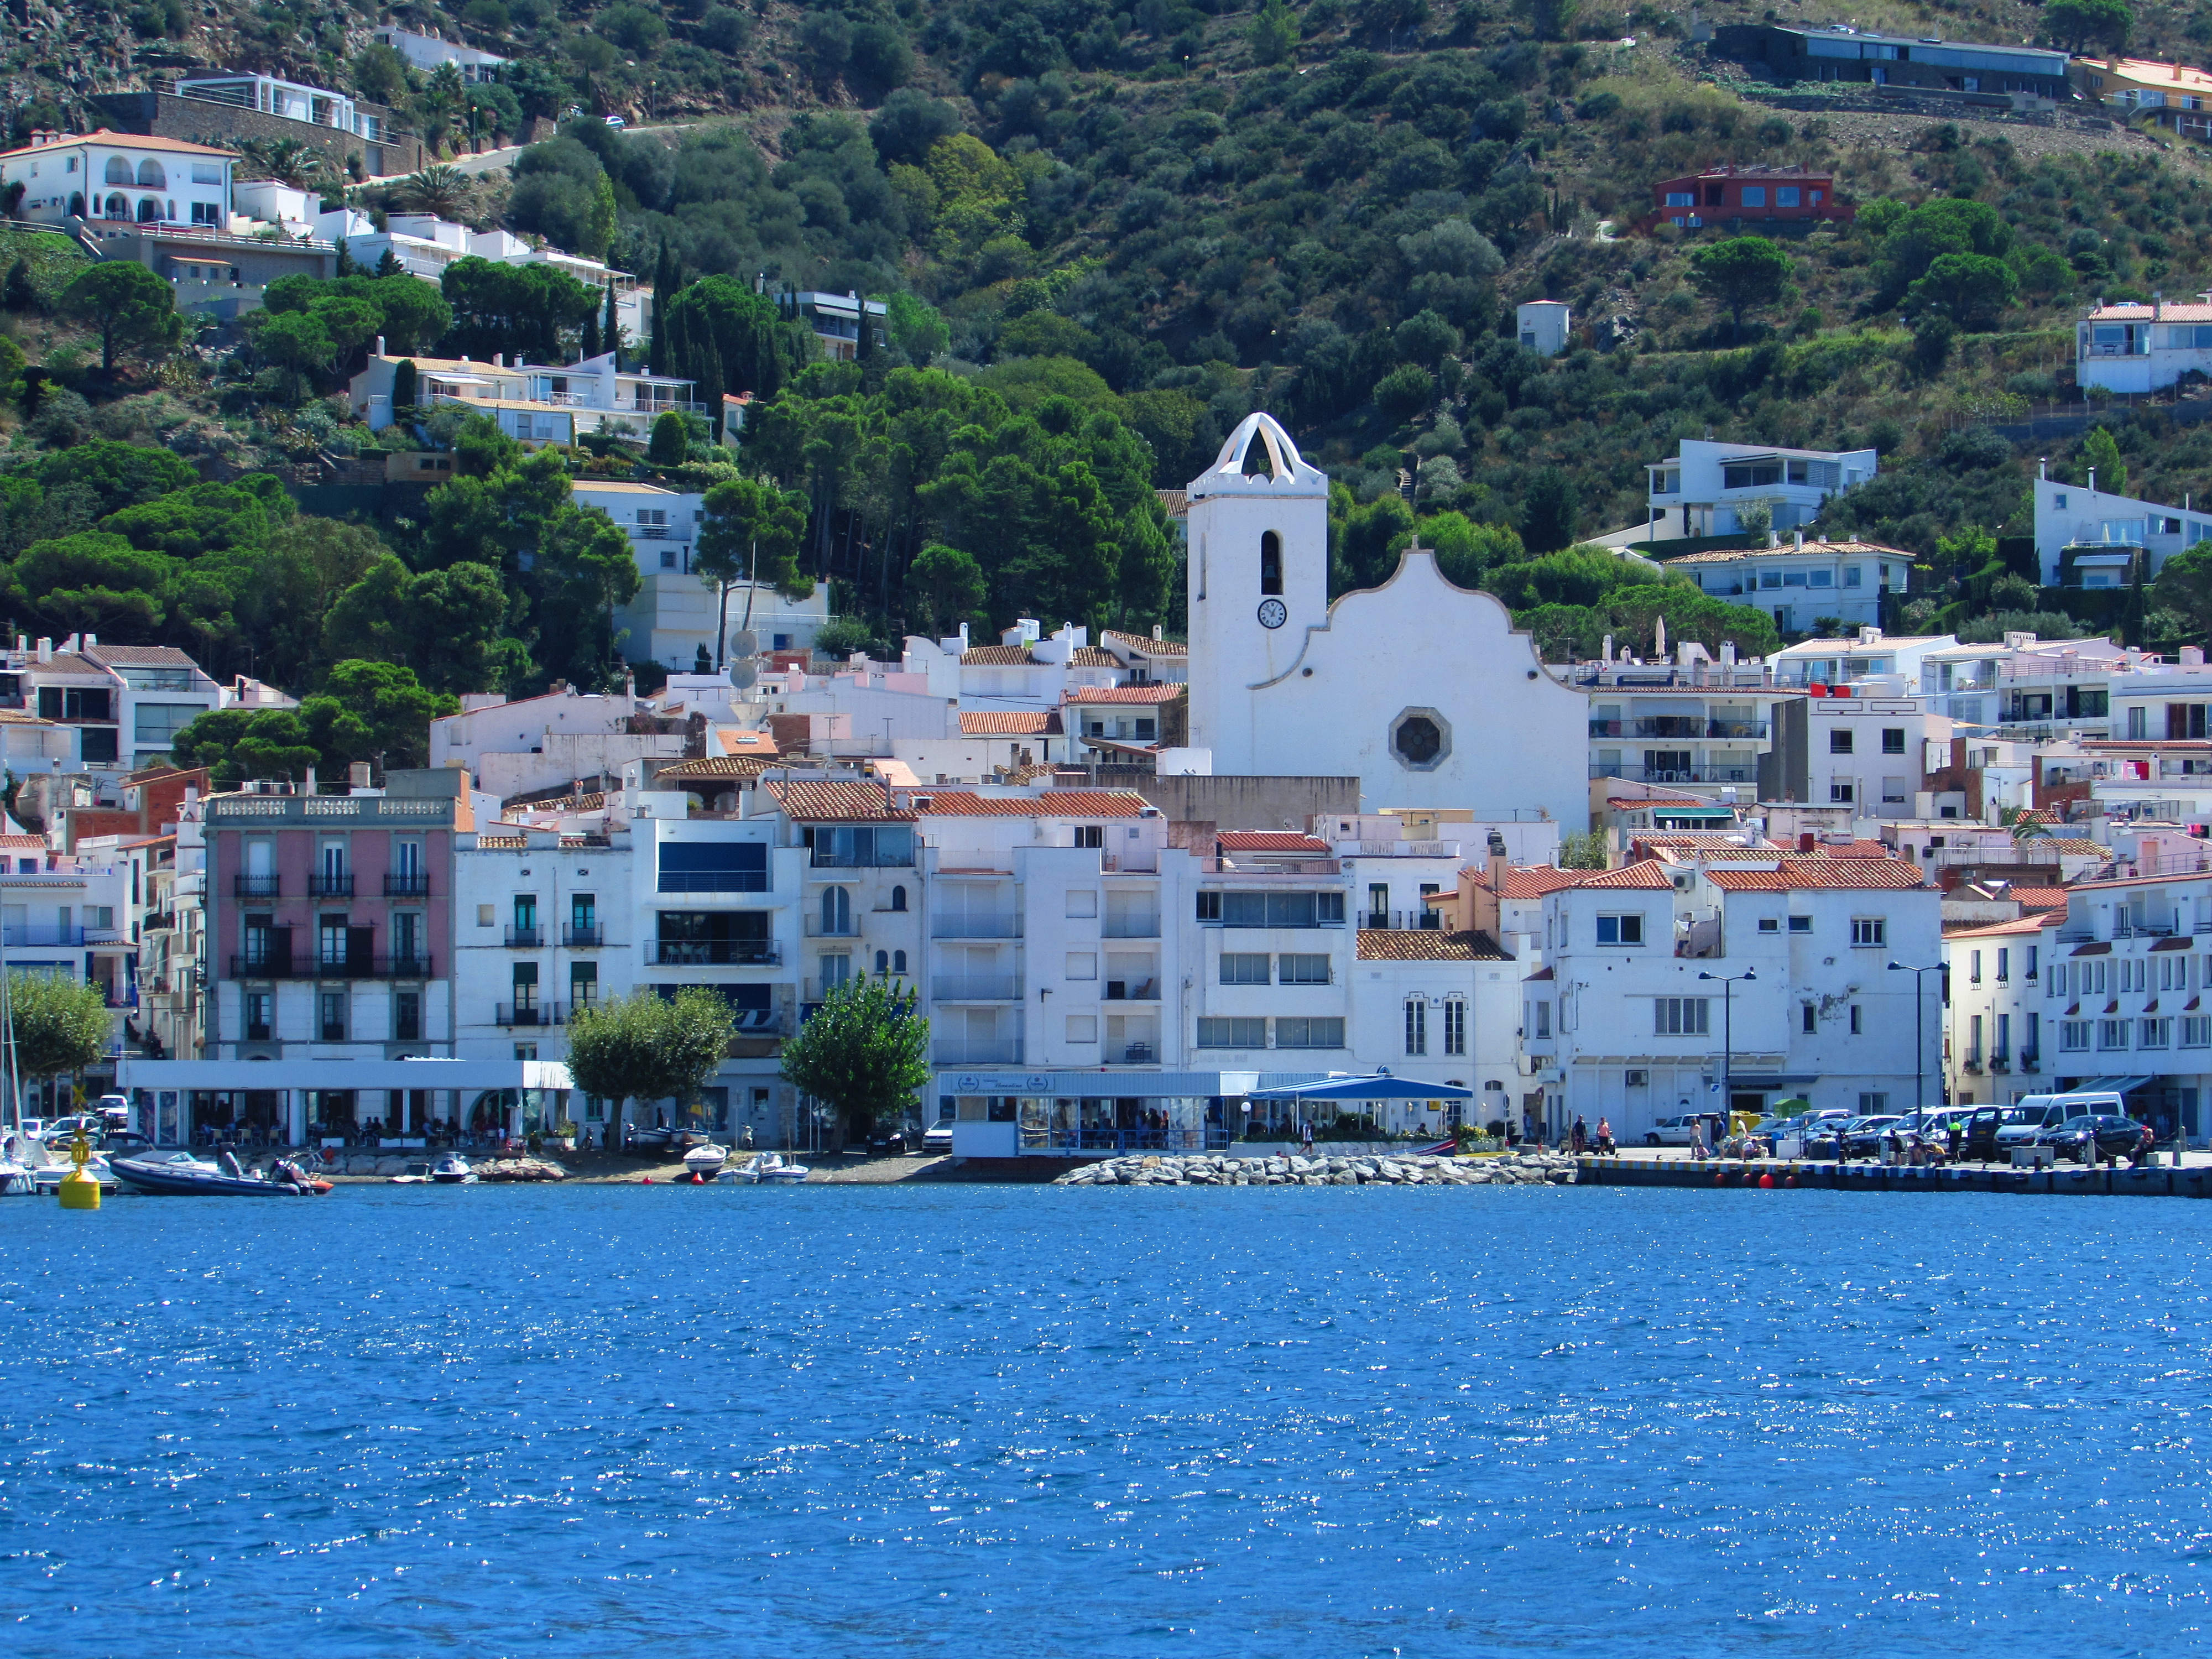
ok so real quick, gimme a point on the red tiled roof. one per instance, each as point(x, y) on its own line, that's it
point(1050, 803)
point(1123, 693)
point(1272, 840)
point(1141, 644)
point(1650, 873)
point(1091, 656)
point(27, 844)
point(1011, 723)
point(2038, 899)
point(1425, 945)
point(998, 656)
point(1622, 802)
point(1527, 881)
point(2003, 929)
point(1803, 872)
point(834, 800)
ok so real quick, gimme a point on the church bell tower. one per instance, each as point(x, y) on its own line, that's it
point(1258, 580)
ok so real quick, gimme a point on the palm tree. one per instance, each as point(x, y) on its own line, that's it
point(440, 190)
point(289, 161)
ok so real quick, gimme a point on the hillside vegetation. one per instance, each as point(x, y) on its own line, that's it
point(1105, 236)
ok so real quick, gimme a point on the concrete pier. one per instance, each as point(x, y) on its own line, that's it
point(2105, 1181)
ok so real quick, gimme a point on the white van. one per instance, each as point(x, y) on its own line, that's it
point(2029, 1121)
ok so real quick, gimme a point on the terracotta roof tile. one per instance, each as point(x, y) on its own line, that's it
point(1000, 656)
point(2038, 899)
point(1143, 645)
point(1724, 554)
point(1273, 840)
point(130, 141)
point(1091, 656)
point(719, 766)
point(1624, 802)
point(834, 800)
point(1425, 945)
point(1124, 693)
point(1527, 881)
point(2095, 849)
point(1804, 872)
point(1048, 804)
point(1011, 723)
point(139, 656)
point(2002, 929)
point(1650, 873)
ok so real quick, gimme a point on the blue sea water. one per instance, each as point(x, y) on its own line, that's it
point(980, 1420)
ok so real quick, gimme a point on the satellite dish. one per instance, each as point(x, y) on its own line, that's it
point(743, 673)
point(744, 642)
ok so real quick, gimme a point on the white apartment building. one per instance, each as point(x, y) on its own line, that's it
point(1640, 1009)
point(2105, 995)
point(2025, 686)
point(85, 706)
point(1440, 1007)
point(2142, 348)
point(835, 321)
point(2090, 538)
point(429, 53)
point(120, 176)
point(294, 100)
point(1654, 725)
point(1705, 489)
point(1869, 655)
point(534, 404)
point(1802, 584)
point(1873, 754)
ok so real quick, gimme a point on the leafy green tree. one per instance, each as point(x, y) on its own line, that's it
point(2100, 454)
point(1272, 35)
point(724, 337)
point(1404, 392)
point(187, 523)
point(864, 1052)
point(1916, 238)
point(952, 581)
point(2184, 584)
point(128, 306)
point(440, 190)
point(446, 624)
point(2074, 23)
point(405, 378)
point(670, 444)
point(528, 313)
point(1549, 512)
point(1971, 289)
point(584, 571)
point(92, 581)
point(275, 595)
point(117, 475)
point(647, 1048)
point(62, 1025)
point(751, 533)
point(238, 744)
point(1745, 273)
point(373, 710)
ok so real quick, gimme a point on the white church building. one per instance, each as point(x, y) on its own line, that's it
point(1424, 690)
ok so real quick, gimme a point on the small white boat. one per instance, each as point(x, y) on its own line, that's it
point(706, 1160)
point(414, 1174)
point(768, 1167)
point(453, 1171)
point(46, 1179)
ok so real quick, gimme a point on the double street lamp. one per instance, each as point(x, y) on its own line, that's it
point(1728, 983)
point(1919, 1043)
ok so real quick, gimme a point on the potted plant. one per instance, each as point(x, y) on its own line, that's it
point(564, 1135)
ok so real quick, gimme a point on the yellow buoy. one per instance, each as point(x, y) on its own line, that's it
point(79, 1191)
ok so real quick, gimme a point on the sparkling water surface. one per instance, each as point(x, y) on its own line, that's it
point(1015, 1420)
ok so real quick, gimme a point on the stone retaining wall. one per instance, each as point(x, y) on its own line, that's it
point(203, 121)
point(1530, 1170)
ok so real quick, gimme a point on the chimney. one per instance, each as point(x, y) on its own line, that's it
point(379, 345)
point(499, 360)
point(2043, 467)
point(2157, 304)
point(1806, 841)
point(91, 642)
point(2192, 656)
point(1798, 540)
point(2092, 482)
point(358, 775)
point(1155, 630)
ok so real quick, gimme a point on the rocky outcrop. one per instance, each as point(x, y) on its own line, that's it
point(1527, 1169)
point(520, 1169)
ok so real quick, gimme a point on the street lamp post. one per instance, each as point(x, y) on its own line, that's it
point(1727, 983)
point(1919, 1041)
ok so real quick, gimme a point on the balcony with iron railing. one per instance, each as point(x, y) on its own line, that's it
point(820, 927)
point(583, 936)
point(712, 953)
point(1676, 774)
point(528, 938)
point(1007, 925)
point(1689, 728)
point(1273, 870)
point(408, 884)
point(326, 884)
point(1424, 921)
point(257, 887)
point(530, 1013)
point(976, 987)
point(1127, 926)
point(253, 965)
point(976, 1051)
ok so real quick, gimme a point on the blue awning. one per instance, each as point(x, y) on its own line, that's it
point(1366, 1088)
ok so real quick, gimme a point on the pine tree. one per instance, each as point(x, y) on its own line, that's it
point(389, 265)
point(865, 346)
point(19, 295)
point(346, 267)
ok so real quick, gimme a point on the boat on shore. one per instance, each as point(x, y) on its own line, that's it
point(707, 1160)
point(454, 1170)
point(179, 1175)
point(765, 1168)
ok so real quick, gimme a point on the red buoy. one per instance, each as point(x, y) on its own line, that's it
point(1767, 1180)
point(648, 1180)
point(698, 1180)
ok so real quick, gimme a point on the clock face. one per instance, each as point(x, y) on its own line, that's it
point(1273, 613)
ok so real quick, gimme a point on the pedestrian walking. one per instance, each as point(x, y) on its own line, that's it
point(1697, 1140)
point(1605, 1137)
point(1305, 1137)
point(1955, 1138)
point(1580, 1136)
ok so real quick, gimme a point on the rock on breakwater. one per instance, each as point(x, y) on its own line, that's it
point(1154, 1169)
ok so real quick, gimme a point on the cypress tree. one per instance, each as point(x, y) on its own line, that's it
point(610, 328)
point(589, 345)
point(402, 384)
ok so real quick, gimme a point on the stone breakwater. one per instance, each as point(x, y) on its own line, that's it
point(1528, 1169)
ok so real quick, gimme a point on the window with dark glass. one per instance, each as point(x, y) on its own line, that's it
point(1271, 563)
point(715, 866)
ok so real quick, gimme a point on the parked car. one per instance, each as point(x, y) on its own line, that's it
point(938, 1137)
point(617, 122)
point(1982, 1125)
point(2116, 1136)
point(1864, 1137)
point(887, 1143)
point(122, 1143)
point(62, 1129)
point(1679, 1131)
point(2054, 1111)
